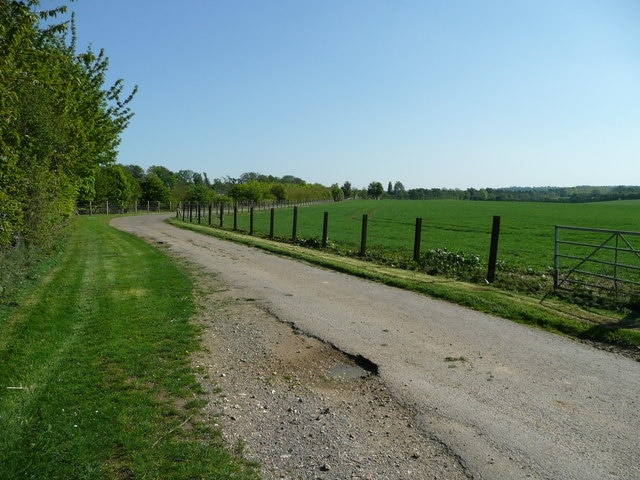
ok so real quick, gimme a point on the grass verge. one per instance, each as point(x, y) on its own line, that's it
point(95, 375)
point(607, 327)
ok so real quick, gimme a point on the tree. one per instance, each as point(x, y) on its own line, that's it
point(246, 192)
point(346, 189)
point(200, 194)
point(375, 190)
point(399, 190)
point(336, 193)
point(136, 171)
point(154, 189)
point(390, 189)
point(167, 176)
point(279, 192)
point(116, 185)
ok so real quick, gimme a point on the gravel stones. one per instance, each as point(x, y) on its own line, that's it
point(279, 407)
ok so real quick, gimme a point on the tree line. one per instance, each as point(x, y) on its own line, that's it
point(576, 194)
point(123, 185)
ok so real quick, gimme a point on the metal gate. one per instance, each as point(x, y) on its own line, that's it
point(593, 258)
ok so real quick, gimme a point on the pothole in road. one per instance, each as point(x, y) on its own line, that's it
point(361, 368)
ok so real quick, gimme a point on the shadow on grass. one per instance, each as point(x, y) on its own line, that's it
point(623, 332)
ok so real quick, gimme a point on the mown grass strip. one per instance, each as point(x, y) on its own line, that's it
point(548, 314)
point(95, 376)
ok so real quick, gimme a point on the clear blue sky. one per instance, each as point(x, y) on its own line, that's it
point(448, 93)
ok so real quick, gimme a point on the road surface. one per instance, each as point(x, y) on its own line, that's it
point(511, 401)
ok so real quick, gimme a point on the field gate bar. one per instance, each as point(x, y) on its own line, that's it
point(607, 260)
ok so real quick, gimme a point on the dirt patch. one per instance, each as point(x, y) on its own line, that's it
point(281, 406)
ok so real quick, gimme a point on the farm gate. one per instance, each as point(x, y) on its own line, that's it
point(597, 259)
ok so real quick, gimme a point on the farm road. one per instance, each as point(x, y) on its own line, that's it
point(512, 402)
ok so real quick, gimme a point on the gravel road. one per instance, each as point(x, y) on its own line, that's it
point(502, 401)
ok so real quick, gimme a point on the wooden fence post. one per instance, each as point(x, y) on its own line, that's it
point(417, 240)
point(493, 250)
point(363, 237)
point(272, 221)
point(235, 217)
point(221, 215)
point(325, 227)
point(294, 230)
point(251, 220)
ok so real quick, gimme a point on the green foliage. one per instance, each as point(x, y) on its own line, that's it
point(336, 193)
point(154, 189)
point(115, 184)
point(167, 176)
point(278, 191)
point(375, 189)
point(199, 194)
point(346, 189)
point(59, 121)
point(247, 192)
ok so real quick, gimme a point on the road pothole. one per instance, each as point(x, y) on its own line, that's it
point(347, 372)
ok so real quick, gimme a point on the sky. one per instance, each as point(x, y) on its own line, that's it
point(434, 94)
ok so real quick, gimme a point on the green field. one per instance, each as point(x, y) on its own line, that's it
point(527, 229)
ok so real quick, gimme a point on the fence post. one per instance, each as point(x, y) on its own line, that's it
point(417, 240)
point(556, 259)
point(294, 232)
point(493, 250)
point(363, 237)
point(107, 207)
point(251, 220)
point(272, 222)
point(221, 215)
point(235, 217)
point(325, 227)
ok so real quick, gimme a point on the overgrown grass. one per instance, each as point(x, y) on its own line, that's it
point(95, 376)
point(548, 313)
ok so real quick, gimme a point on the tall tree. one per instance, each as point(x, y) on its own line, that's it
point(399, 190)
point(346, 188)
point(375, 189)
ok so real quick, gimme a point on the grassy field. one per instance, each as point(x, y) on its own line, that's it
point(527, 229)
point(95, 375)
